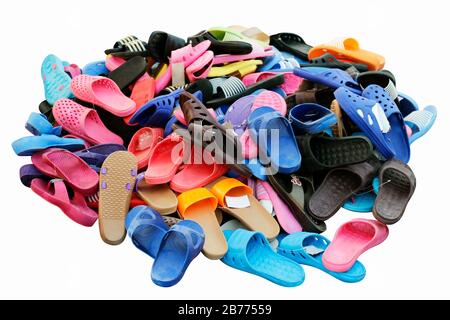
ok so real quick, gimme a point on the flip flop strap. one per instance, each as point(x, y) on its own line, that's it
point(124, 41)
point(38, 124)
point(420, 119)
point(136, 46)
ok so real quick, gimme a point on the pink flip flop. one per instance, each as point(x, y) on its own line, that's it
point(142, 144)
point(83, 122)
point(257, 52)
point(271, 99)
point(104, 93)
point(165, 159)
point(42, 165)
point(57, 194)
point(73, 170)
point(352, 239)
point(290, 85)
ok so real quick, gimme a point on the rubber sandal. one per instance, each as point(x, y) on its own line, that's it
point(56, 193)
point(421, 122)
point(117, 178)
point(46, 109)
point(397, 185)
point(397, 134)
point(383, 78)
point(233, 225)
point(265, 98)
point(129, 48)
point(362, 202)
point(200, 68)
point(143, 90)
point(348, 50)
point(230, 34)
point(292, 43)
point(238, 69)
point(38, 124)
point(311, 118)
point(369, 117)
point(221, 47)
point(290, 85)
point(96, 155)
point(142, 144)
point(308, 248)
point(83, 122)
point(199, 205)
point(237, 199)
point(179, 247)
point(251, 252)
point(146, 229)
point(128, 72)
point(332, 78)
point(268, 119)
point(351, 240)
point(27, 146)
point(56, 80)
point(165, 159)
point(238, 113)
point(324, 153)
point(103, 92)
point(339, 185)
point(161, 45)
point(97, 68)
point(158, 196)
point(28, 173)
point(329, 61)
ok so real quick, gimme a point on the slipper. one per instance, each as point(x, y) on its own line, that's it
point(56, 193)
point(237, 199)
point(348, 50)
point(102, 92)
point(290, 85)
point(198, 172)
point(230, 34)
point(264, 98)
point(146, 229)
point(396, 187)
point(324, 153)
point(142, 144)
point(329, 61)
point(83, 122)
point(251, 252)
point(369, 116)
point(200, 68)
point(362, 202)
point(339, 185)
point(332, 78)
point(161, 45)
point(238, 113)
point(351, 240)
point(129, 47)
point(421, 122)
point(128, 72)
point(179, 247)
point(199, 205)
point(97, 68)
point(382, 78)
point(38, 124)
point(27, 146)
point(233, 225)
point(165, 159)
point(28, 173)
point(311, 118)
point(158, 196)
point(257, 53)
point(117, 178)
point(308, 248)
point(238, 69)
point(292, 43)
point(56, 80)
point(296, 194)
point(143, 90)
point(262, 122)
point(221, 47)
point(96, 155)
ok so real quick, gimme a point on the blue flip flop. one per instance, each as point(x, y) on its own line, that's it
point(38, 124)
point(308, 248)
point(362, 203)
point(97, 68)
point(421, 122)
point(397, 136)
point(361, 112)
point(333, 78)
point(311, 118)
point(251, 252)
point(146, 228)
point(27, 146)
point(56, 80)
point(266, 118)
point(179, 247)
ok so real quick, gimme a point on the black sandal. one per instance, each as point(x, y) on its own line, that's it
point(221, 47)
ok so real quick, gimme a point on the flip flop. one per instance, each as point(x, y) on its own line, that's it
point(397, 135)
point(251, 252)
point(238, 113)
point(161, 44)
point(146, 229)
point(179, 247)
point(142, 144)
point(237, 199)
point(308, 248)
point(96, 155)
point(221, 47)
point(56, 193)
point(292, 43)
point(311, 118)
point(233, 225)
point(165, 159)
point(129, 47)
point(56, 80)
point(27, 146)
point(339, 185)
point(83, 122)
point(238, 69)
point(28, 173)
point(128, 72)
point(396, 187)
point(332, 78)
point(351, 240)
point(102, 92)
point(349, 50)
point(325, 153)
point(290, 85)
point(38, 124)
point(421, 122)
point(97, 68)
point(117, 178)
point(199, 205)
point(329, 61)
point(265, 98)
point(158, 196)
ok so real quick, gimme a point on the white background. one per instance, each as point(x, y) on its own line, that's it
point(44, 255)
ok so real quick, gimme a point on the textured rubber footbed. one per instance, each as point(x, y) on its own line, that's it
point(340, 152)
point(117, 178)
